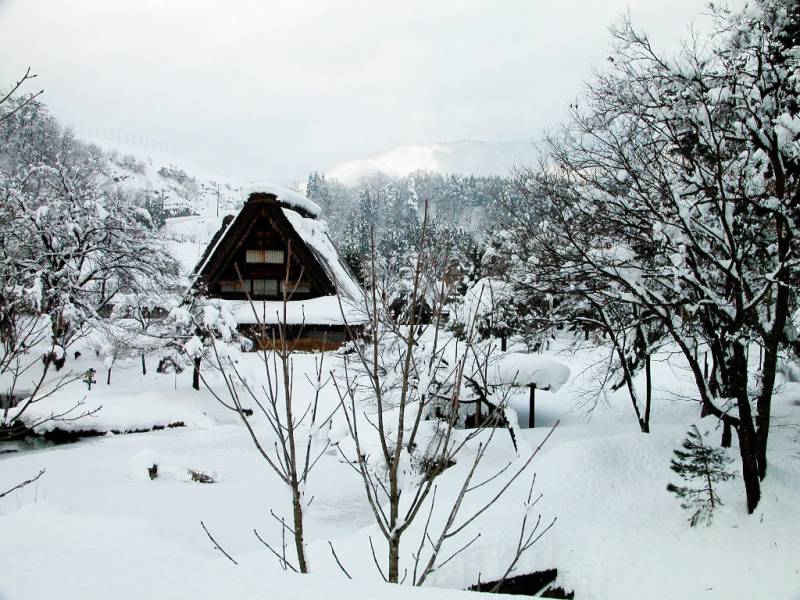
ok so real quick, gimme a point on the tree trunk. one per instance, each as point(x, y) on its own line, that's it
point(196, 373)
point(648, 382)
point(394, 514)
point(772, 340)
point(763, 407)
point(108, 377)
point(749, 454)
point(299, 541)
point(748, 449)
point(144, 365)
point(394, 559)
point(726, 435)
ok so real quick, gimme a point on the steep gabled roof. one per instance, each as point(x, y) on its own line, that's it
point(296, 223)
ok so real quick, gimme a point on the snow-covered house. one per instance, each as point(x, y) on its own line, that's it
point(277, 238)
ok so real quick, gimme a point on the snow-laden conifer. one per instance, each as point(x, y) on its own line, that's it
point(705, 466)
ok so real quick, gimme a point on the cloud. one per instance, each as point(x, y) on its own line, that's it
point(275, 89)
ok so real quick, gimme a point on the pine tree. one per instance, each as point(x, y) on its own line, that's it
point(699, 461)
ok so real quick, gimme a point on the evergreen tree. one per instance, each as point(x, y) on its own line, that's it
point(709, 465)
point(154, 206)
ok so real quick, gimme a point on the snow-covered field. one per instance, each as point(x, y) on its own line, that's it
point(96, 526)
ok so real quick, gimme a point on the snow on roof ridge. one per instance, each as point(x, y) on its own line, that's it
point(315, 235)
point(284, 195)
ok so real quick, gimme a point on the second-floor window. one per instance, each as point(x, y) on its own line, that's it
point(273, 257)
point(265, 287)
point(256, 287)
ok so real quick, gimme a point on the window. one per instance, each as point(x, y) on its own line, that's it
point(274, 257)
point(301, 288)
point(234, 285)
point(265, 287)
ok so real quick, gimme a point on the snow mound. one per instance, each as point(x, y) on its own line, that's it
point(112, 412)
point(140, 464)
point(483, 299)
point(518, 368)
point(284, 195)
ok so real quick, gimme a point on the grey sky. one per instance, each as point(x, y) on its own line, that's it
point(274, 89)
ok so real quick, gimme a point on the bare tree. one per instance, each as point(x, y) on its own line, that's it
point(26, 348)
point(27, 76)
point(296, 449)
point(21, 485)
point(401, 393)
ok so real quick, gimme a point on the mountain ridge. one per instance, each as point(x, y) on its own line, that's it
point(466, 157)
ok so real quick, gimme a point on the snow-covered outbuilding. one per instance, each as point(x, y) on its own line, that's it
point(276, 244)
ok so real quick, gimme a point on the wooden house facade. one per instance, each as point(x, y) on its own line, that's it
point(275, 248)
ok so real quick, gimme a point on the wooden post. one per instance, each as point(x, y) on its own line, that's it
point(89, 378)
point(196, 374)
point(532, 407)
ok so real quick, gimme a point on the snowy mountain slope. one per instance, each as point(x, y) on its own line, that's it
point(183, 187)
point(465, 157)
point(194, 202)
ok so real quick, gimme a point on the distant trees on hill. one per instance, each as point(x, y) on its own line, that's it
point(461, 209)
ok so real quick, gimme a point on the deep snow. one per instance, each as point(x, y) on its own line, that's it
point(96, 526)
point(94, 522)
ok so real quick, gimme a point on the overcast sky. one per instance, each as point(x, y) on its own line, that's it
point(273, 89)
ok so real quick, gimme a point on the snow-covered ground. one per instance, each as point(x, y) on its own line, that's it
point(95, 526)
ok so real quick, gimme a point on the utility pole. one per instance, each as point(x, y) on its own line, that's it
point(214, 188)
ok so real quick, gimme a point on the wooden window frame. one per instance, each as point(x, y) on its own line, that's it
point(303, 287)
point(271, 256)
point(235, 286)
point(267, 290)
